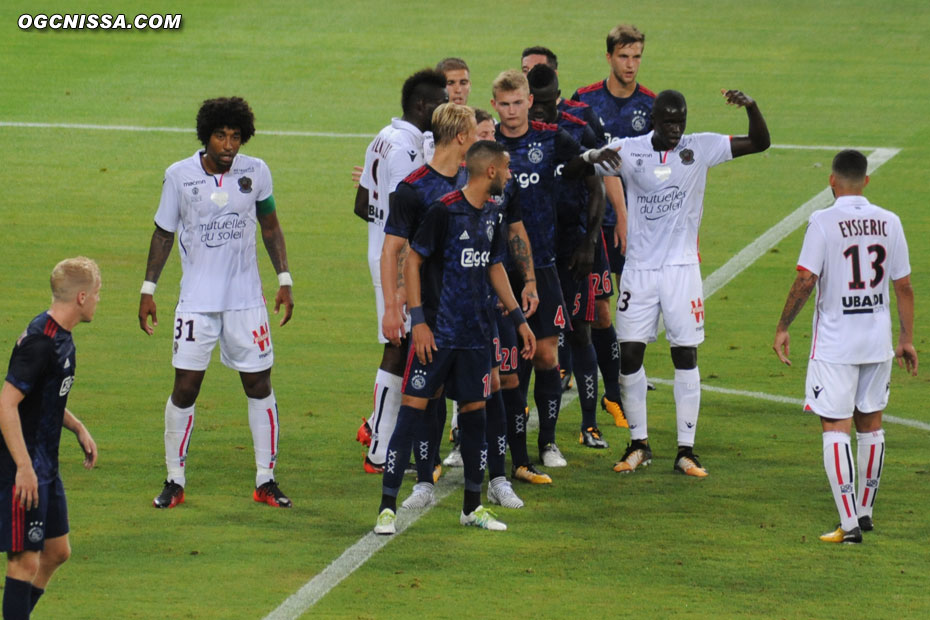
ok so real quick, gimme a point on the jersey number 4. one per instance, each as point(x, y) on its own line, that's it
point(878, 271)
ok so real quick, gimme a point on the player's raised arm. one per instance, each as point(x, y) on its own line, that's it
point(273, 238)
point(803, 285)
point(159, 250)
point(758, 139)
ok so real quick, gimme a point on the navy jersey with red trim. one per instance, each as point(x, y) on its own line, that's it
point(586, 113)
point(42, 368)
point(458, 243)
point(415, 194)
point(572, 196)
point(534, 158)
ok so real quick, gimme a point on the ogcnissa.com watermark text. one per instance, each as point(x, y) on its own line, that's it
point(93, 21)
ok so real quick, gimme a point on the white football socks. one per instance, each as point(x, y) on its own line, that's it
point(633, 392)
point(687, 392)
point(870, 456)
point(384, 419)
point(837, 461)
point(263, 420)
point(179, 424)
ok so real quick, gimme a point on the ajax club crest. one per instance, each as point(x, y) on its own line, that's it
point(535, 154)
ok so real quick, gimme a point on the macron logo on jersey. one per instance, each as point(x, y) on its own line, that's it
point(473, 258)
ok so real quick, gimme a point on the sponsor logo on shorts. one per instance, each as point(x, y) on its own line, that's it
point(697, 309)
point(262, 338)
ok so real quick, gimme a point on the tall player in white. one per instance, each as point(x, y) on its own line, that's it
point(214, 201)
point(664, 173)
point(851, 250)
point(397, 150)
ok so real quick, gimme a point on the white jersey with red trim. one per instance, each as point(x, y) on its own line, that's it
point(665, 196)
point(854, 248)
point(215, 218)
point(395, 152)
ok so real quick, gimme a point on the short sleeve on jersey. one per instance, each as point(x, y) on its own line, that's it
point(901, 262)
point(716, 147)
point(29, 360)
point(432, 231)
point(405, 209)
point(513, 211)
point(566, 147)
point(400, 163)
point(264, 183)
point(813, 249)
point(169, 208)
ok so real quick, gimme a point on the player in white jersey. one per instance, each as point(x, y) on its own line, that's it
point(851, 250)
point(396, 151)
point(215, 200)
point(664, 173)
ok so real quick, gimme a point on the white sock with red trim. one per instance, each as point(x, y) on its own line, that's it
point(263, 420)
point(870, 456)
point(179, 425)
point(384, 418)
point(838, 463)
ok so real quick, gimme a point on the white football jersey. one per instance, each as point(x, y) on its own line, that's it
point(665, 196)
point(395, 152)
point(215, 218)
point(855, 248)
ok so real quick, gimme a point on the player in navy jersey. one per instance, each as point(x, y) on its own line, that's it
point(536, 150)
point(33, 510)
point(460, 246)
point(580, 208)
point(602, 333)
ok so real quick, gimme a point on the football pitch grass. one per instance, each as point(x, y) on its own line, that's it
point(741, 543)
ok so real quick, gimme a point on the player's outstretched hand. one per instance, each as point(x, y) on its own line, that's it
point(529, 341)
point(356, 175)
point(781, 346)
point(146, 310)
point(26, 488)
point(392, 325)
point(907, 357)
point(423, 343)
point(89, 446)
point(285, 297)
point(737, 97)
point(530, 300)
point(609, 157)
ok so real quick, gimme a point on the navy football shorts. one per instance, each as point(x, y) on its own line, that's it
point(466, 374)
point(26, 530)
point(551, 316)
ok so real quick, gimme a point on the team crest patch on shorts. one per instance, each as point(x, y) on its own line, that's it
point(245, 185)
point(36, 531)
point(418, 381)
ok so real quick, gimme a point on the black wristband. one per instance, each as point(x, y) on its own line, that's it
point(516, 315)
point(417, 317)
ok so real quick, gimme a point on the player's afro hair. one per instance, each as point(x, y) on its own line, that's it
point(232, 112)
point(542, 76)
point(417, 87)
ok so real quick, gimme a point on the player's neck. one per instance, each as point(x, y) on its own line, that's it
point(477, 194)
point(419, 123)
point(65, 315)
point(620, 90)
point(446, 160)
point(518, 132)
point(209, 166)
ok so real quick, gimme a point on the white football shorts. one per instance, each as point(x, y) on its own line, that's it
point(674, 291)
point(244, 336)
point(835, 390)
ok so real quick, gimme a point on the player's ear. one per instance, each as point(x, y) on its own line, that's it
point(866, 181)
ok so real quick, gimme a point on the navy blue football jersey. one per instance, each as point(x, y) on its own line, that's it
point(534, 159)
point(459, 242)
point(415, 194)
point(42, 368)
point(588, 115)
point(619, 117)
point(572, 197)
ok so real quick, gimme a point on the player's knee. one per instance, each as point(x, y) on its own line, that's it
point(56, 556)
point(602, 314)
point(580, 336)
point(510, 381)
point(631, 357)
point(546, 357)
point(23, 565)
point(684, 358)
point(495, 380)
point(394, 358)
